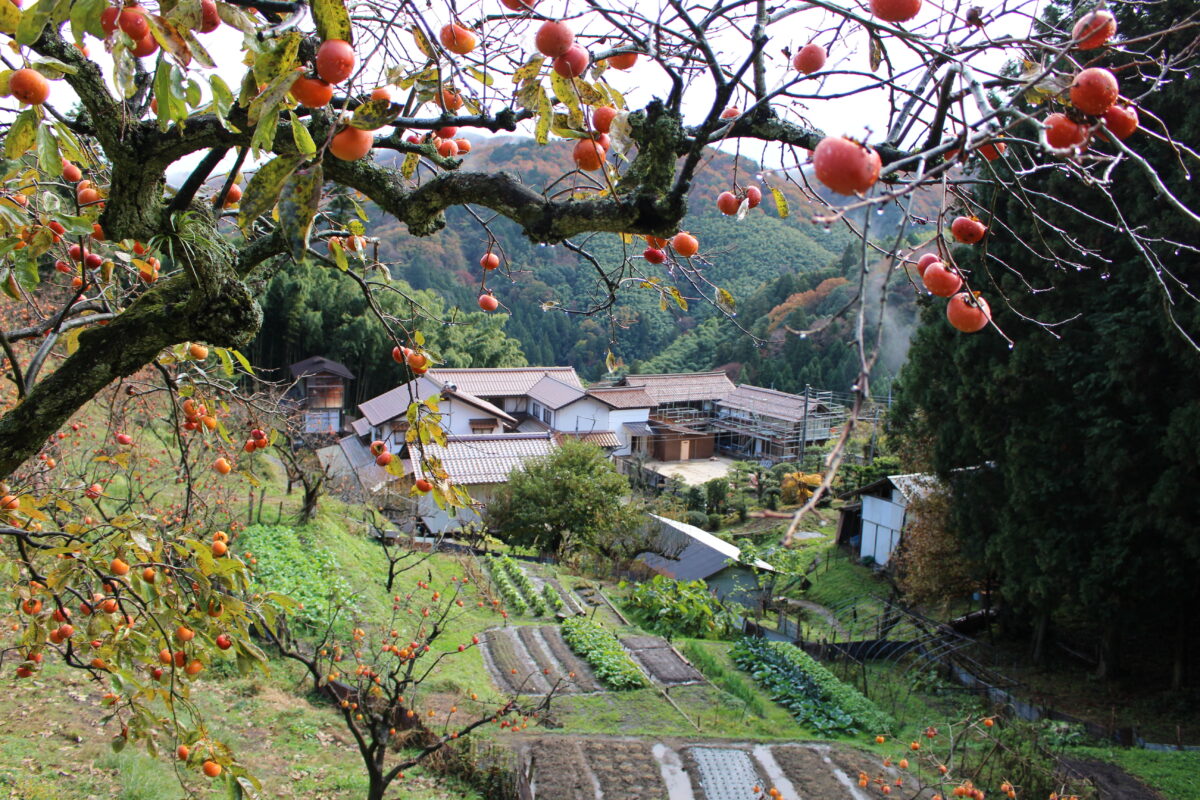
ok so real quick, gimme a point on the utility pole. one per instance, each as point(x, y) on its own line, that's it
point(804, 429)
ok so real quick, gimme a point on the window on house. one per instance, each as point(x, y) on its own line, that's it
point(547, 416)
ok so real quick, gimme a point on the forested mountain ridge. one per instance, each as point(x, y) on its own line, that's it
point(782, 271)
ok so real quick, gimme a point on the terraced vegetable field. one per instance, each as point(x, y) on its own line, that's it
point(529, 659)
point(618, 768)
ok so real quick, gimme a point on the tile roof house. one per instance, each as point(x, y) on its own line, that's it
point(479, 463)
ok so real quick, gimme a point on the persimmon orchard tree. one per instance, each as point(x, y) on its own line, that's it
point(115, 269)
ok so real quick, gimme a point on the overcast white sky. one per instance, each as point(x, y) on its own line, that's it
point(864, 116)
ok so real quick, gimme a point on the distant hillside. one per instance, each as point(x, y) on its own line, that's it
point(750, 258)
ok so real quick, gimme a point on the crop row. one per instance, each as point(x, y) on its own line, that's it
point(601, 649)
point(512, 597)
point(512, 570)
point(813, 694)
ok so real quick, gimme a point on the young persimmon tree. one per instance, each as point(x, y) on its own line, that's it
point(115, 268)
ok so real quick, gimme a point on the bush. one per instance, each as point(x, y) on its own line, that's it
point(696, 518)
point(599, 647)
point(713, 523)
point(814, 695)
point(680, 608)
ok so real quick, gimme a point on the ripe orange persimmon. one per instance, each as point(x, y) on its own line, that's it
point(488, 302)
point(489, 261)
point(219, 548)
point(423, 485)
point(602, 118)
point(118, 567)
point(311, 92)
point(222, 466)
point(941, 281)
point(589, 155)
point(968, 313)
point(449, 99)
point(381, 93)
point(968, 230)
point(335, 60)
point(182, 752)
point(146, 46)
point(1094, 30)
point(29, 86)
point(212, 769)
point(810, 58)
point(458, 39)
point(685, 244)
point(1094, 91)
point(1122, 121)
point(572, 63)
point(1063, 132)
point(197, 352)
point(728, 203)
point(554, 39)
point(351, 144)
point(71, 172)
point(846, 166)
point(210, 18)
point(233, 196)
point(132, 22)
point(623, 61)
point(895, 10)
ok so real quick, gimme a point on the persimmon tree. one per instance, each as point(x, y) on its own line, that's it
point(116, 269)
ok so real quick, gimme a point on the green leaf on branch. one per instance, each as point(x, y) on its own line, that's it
point(281, 58)
point(10, 17)
point(530, 69)
point(52, 68)
point(85, 18)
point(264, 188)
point(298, 205)
point(33, 22)
point(49, 160)
point(170, 39)
point(333, 20)
point(545, 116)
point(22, 134)
point(374, 114)
point(301, 136)
point(266, 102)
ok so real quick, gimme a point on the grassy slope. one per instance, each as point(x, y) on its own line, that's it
point(1171, 773)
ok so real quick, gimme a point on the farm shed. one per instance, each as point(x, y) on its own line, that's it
point(687, 553)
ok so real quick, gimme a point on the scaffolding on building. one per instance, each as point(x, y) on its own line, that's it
point(767, 424)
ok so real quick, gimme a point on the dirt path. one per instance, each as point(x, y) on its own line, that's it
point(1112, 782)
point(816, 608)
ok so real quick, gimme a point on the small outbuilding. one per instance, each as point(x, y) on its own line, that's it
point(687, 553)
point(874, 525)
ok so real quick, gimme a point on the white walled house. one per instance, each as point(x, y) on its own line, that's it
point(877, 522)
point(385, 417)
point(481, 464)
